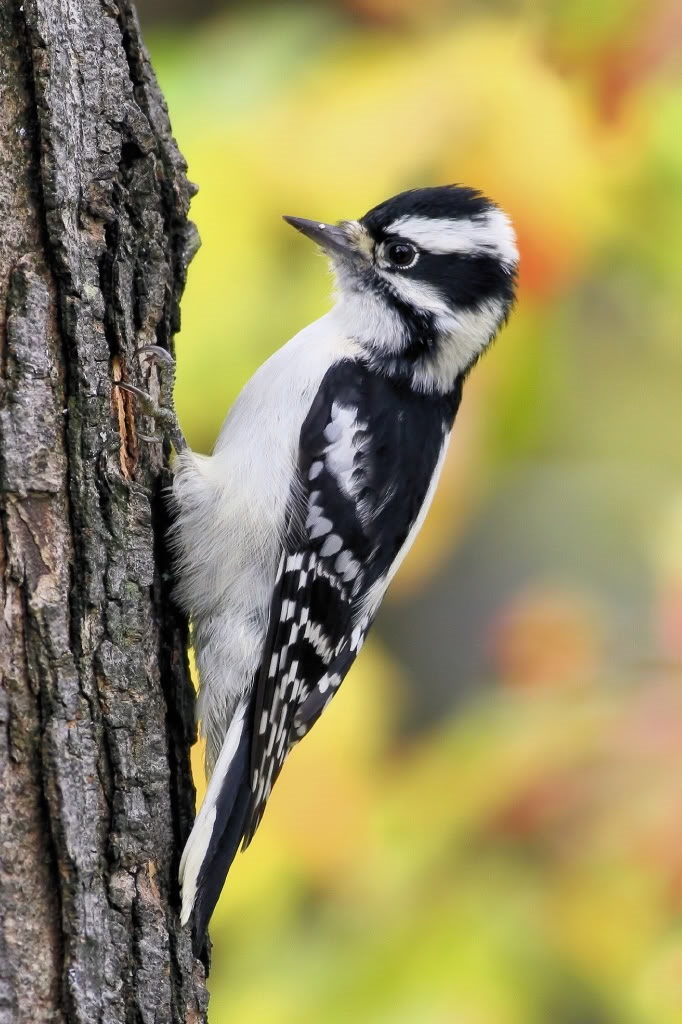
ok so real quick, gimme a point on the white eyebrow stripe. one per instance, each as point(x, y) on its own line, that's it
point(491, 233)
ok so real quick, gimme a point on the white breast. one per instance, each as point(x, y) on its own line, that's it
point(231, 516)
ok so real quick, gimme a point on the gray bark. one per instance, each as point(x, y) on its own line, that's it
point(96, 707)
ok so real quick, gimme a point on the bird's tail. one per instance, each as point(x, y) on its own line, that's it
point(218, 828)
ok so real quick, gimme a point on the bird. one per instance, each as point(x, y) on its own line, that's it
point(287, 536)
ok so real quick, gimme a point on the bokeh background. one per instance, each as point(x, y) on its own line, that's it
point(486, 826)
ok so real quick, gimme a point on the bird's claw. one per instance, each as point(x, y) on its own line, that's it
point(162, 415)
point(133, 390)
point(147, 404)
point(151, 353)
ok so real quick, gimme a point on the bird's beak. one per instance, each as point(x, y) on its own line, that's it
point(330, 237)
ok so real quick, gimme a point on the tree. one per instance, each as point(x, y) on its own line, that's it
point(96, 705)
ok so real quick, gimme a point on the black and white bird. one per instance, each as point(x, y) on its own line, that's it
point(289, 534)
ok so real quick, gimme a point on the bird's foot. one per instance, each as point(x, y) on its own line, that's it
point(162, 412)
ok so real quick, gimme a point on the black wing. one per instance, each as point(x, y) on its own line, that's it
point(368, 451)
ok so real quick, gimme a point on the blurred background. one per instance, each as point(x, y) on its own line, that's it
point(486, 826)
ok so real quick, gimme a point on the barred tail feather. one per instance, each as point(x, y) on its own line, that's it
point(218, 828)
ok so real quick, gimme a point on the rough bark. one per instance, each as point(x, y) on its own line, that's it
point(96, 707)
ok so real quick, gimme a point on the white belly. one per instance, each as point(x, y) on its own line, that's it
point(230, 519)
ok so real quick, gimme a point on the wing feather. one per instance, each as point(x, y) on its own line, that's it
point(366, 461)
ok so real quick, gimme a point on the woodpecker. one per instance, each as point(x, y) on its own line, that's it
point(288, 535)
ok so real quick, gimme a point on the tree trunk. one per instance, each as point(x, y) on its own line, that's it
point(96, 707)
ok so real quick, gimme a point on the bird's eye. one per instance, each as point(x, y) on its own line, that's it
point(402, 254)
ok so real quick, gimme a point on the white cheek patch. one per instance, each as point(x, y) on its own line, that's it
point(465, 335)
point(490, 234)
point(417, 294)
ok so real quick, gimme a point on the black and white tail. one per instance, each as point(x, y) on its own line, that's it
point(219, 827)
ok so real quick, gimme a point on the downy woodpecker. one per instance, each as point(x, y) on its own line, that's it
point(289, 534)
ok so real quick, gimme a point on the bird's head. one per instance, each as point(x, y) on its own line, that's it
point(424, 280)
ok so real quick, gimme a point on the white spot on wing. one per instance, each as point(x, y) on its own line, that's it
point(317, 524)
point(331, 546)
point(318, 639)
point(342, 420)
point(346, 566)
point(341, 454)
